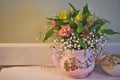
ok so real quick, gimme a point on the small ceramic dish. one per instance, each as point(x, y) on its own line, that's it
point(111, 64)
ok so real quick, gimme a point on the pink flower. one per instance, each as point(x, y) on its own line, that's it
point(85, 33)
point(54, 24)
point(91, 22)
point(65, 31)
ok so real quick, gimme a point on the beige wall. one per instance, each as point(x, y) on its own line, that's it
point(21, 20)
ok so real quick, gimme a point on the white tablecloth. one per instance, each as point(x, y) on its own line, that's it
point(51, 73)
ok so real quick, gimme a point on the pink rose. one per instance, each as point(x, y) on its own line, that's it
point(54, 24)
point(85, 33)
point(65, 31)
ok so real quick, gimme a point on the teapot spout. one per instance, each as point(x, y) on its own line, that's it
point(55, 55)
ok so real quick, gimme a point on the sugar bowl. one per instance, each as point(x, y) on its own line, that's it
point(110, 63)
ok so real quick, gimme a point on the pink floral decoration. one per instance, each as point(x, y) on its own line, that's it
point(54, 24)
point(65, 31)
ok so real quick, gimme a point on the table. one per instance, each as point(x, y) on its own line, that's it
point(48, 73)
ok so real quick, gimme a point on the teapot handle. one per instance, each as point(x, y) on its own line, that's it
point(54, 51)
point(55, 54)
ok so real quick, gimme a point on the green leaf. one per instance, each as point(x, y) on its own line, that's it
point(82, 44)
point(74, 14)
point(59, 21)
point(86, 14)
point(86, 10)
point(103, 27)
point(98, 24)
point(80, 28)
point(71, 22)
point(55, 19)
point(109, 32)
point(84, 21)
point(49, 33)
point(72, 7)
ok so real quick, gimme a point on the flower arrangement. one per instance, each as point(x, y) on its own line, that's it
point(78, 30)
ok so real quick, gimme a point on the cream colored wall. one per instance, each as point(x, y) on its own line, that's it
point(21, 20)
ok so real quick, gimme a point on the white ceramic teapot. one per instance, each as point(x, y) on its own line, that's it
point(75, 63)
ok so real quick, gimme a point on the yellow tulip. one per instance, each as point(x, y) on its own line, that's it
point(89, 18)
point(63, 15)
point(78, 18)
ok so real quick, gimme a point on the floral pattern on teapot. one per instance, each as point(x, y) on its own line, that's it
point(73, 64)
